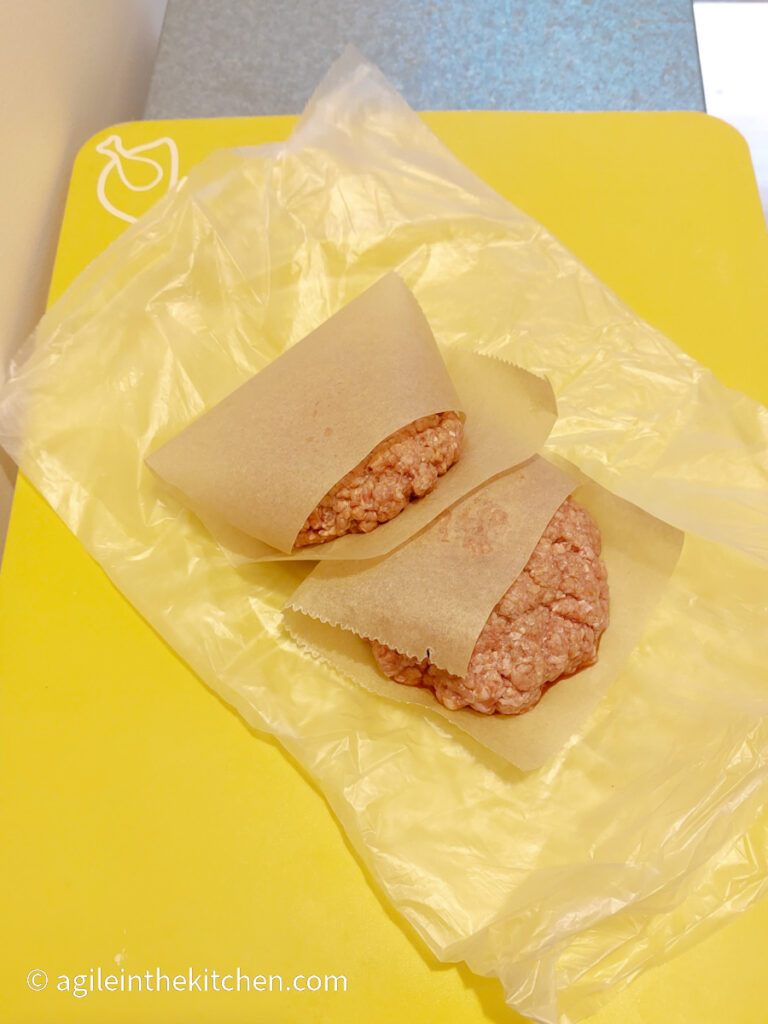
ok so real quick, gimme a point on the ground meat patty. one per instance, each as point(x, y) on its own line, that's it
point(404, 466)
point(547, 625)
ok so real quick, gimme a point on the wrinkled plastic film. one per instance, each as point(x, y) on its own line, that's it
point(564, 882)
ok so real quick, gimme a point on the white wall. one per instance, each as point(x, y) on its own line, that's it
point(67, 69)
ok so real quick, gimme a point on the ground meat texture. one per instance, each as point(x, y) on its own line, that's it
point(404, 466)
point(547, 625)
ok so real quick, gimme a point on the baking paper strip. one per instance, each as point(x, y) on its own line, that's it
point(509, 414)
point(639, 552)
point(263, 457)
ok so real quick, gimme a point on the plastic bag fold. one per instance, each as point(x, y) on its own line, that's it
point(644, 830)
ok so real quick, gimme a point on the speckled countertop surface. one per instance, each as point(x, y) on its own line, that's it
point(240, 57)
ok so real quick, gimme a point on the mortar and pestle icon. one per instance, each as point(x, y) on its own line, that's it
point(136, 171)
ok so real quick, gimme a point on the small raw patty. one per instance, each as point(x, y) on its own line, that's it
point(404, 466)
point(547, 625)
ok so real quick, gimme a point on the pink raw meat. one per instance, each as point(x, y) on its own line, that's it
point(404, 466)
point(547, 625)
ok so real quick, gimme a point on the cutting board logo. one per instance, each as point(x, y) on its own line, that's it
point(133, 179)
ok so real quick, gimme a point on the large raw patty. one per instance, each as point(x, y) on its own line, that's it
point(404, 466)
point(547, 625)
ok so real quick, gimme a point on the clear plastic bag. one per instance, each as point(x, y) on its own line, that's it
point(644, 830)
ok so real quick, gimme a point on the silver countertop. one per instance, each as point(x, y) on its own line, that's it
point(245, 57)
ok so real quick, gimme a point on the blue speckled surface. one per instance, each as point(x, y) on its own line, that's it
point(240, 57)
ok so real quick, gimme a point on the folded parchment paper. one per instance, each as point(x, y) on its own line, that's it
point(436, 592)
point(255, 465)
point(509, 414)
point(264, 456)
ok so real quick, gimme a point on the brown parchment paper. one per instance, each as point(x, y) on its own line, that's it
point(262, 458)
point(509, 414)
point(640, 553)
point(436, 592)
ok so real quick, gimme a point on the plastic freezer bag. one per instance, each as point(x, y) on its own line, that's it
point(566, 881)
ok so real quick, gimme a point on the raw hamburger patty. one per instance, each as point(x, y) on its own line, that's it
point(404, 466)
point(547, 625)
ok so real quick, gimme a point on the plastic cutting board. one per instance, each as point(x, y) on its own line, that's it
point(145, 826)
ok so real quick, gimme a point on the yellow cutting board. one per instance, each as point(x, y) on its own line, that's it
point(145, 826)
